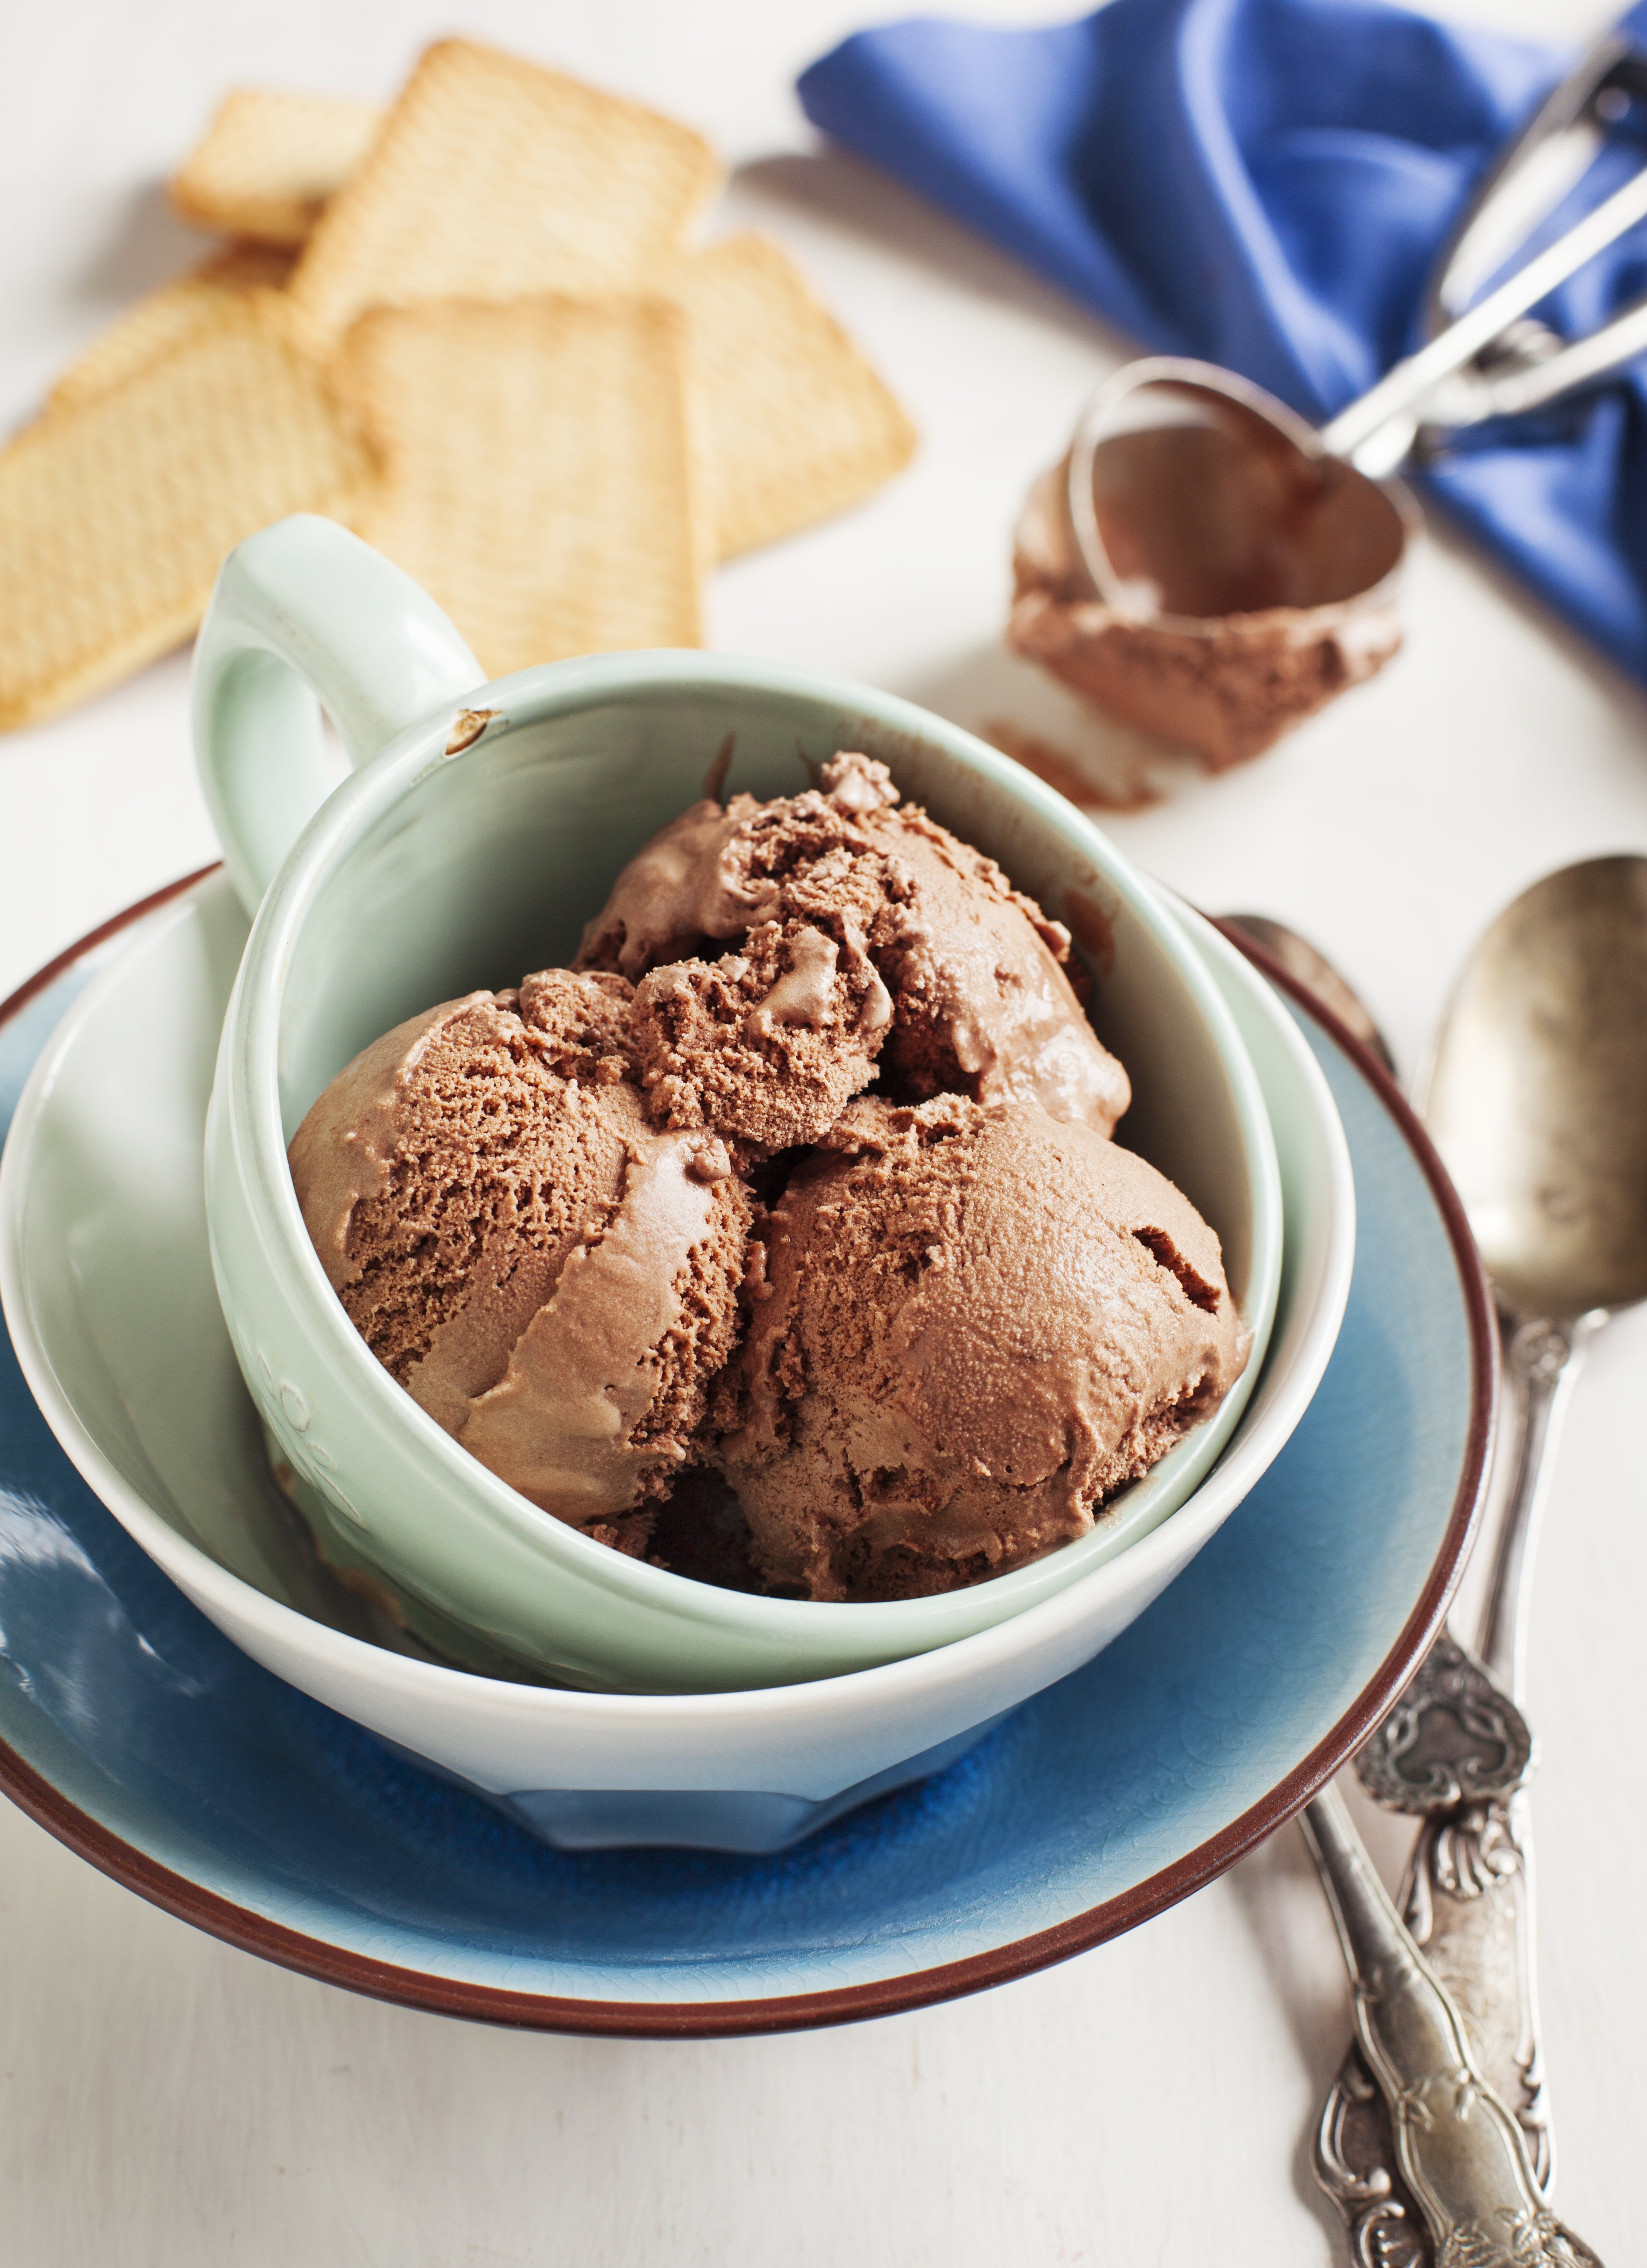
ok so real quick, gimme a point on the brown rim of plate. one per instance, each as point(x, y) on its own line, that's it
point(220, 1916)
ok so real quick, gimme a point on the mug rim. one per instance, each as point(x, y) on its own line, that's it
point(248, 1074)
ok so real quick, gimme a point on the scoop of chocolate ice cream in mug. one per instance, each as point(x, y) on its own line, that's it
point(481, 834)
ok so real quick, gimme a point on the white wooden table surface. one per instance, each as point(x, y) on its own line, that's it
point(164, 2098)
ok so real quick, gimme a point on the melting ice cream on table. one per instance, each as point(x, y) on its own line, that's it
point(801, 1177)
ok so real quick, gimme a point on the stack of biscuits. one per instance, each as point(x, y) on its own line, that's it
point(476, 327)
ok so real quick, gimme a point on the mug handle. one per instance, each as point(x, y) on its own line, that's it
point(306, 614)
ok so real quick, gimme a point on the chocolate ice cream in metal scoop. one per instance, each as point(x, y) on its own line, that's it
point(1200, 565)
point(1208, 566)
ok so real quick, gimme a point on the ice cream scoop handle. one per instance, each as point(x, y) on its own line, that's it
point(1460, 2152)
point(304, 615)
point(1402, 388)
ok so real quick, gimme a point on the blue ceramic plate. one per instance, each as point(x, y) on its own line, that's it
point(132, 1729)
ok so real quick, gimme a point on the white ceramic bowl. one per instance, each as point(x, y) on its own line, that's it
point(108, 1294)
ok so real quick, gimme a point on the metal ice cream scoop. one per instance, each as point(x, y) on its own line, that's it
point(1194, 495)
point(1206, 565)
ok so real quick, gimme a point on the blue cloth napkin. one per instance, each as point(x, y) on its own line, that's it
point(1265, 183)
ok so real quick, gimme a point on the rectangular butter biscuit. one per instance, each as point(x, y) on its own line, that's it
point(116, 510)
point(494, 179)
point(796, 424)
point(162, 317)
point(270, 161)
point(538, 470)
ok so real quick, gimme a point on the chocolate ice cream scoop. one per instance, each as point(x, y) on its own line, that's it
point(550, 1275)
point(969, 1327)
point(924, 960)
point(678, 892)
point(767, 1044)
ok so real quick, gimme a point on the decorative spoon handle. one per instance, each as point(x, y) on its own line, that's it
point(1456, 1747)
point(1467, 1901)
point(1458, 2148)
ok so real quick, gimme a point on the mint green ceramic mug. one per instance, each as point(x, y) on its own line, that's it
point(482, 827)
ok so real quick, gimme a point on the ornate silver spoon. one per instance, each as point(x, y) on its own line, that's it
point(1537, 1098)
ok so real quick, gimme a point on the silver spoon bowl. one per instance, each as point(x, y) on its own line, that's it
point(1537, 1093)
